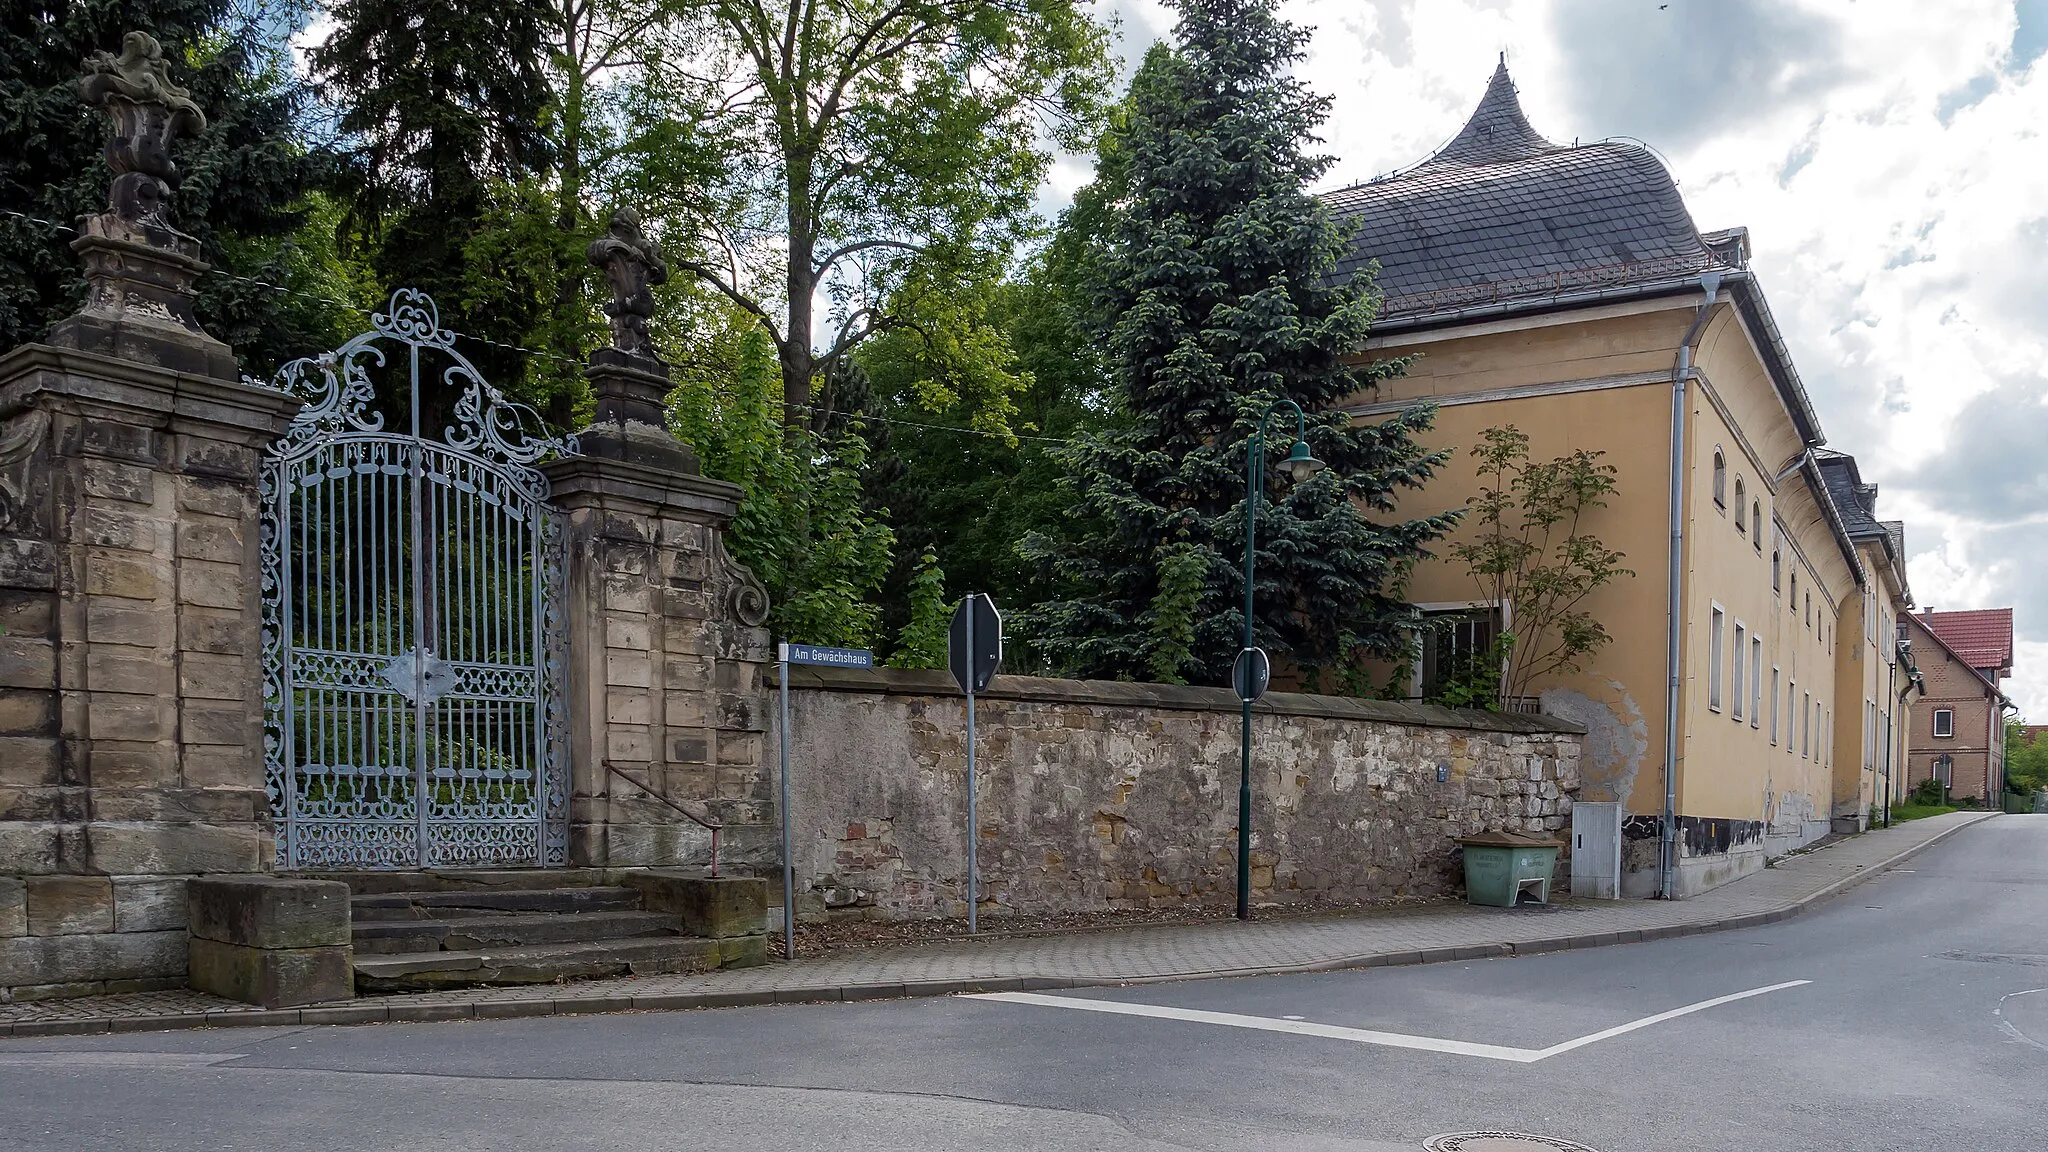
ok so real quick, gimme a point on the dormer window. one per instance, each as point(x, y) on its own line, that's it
point(1720, 479)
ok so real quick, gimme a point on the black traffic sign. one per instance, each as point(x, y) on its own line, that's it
point(987, 646)
point(1251, 673)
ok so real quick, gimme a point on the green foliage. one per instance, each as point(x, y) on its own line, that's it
point(1532, 553)
point(1928, 792)
point(1169, 623)
point(1212, 297)
point(250, 183)
point(884, 152)
point(922, 642)
point(2026, 761)
point(953, 485)
point(1476, 680)
point(1904, 812)
point(448, 190)
point(801, 526)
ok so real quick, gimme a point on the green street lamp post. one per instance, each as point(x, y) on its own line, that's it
point(1298, 466)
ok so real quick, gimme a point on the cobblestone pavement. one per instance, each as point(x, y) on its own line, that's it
point(1113, 956)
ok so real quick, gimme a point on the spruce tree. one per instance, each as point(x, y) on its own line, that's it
point(448, 102)
point(1214, 297)
point(249, 181)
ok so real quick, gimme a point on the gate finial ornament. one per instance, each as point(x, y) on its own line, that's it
point(148, 111)
point(139, 269)
point(632, 265)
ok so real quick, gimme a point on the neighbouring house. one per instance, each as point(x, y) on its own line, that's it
point(1873, 676)
point(1958, 730)
point(1565, 290)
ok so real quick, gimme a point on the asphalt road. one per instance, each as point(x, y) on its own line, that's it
point(1924, 1026)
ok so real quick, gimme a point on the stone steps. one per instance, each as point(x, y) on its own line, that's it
point(381, 883)
point(420, 931)
point(465, 933)
point(489, 902)
point(535, 963)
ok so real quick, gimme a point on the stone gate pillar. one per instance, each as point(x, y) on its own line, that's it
point(667, 711)
point(130, 670)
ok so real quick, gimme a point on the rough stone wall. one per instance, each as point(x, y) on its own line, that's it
point(1097, 796)
point(666, 652)
point(130, 685)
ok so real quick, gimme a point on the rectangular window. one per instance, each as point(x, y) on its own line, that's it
point(1806, 726)
point(1454, 643)
point(1756, 682)
point(1714, 661)
point(1791, 717)
point(1944, 722)
point(1774, 706)
point(1735, 702)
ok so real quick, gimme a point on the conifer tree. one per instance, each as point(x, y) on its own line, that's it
point(1214, 297)
point(249, 182)
point(447, 101)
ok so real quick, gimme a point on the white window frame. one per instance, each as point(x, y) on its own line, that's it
point(1775, 681)
point(1716, 626)
point(1948, 714)
point(1806, 727)
point(1736, 692)
point(1756, 681)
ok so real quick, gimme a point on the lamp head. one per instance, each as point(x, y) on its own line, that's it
point(1299, 465)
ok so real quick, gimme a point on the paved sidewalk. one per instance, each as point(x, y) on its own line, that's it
point(1113, 956)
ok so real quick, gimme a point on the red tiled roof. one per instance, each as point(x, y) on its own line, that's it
point(1983, 638)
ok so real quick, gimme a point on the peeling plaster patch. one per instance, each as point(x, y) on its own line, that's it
point(1617, 740)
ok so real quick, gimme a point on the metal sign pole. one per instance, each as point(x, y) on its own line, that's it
point(788, 865)
point(973, 828)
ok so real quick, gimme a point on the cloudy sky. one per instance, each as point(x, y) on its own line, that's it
point(1888, 160)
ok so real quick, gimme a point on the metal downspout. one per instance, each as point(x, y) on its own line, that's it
point(1681, 371)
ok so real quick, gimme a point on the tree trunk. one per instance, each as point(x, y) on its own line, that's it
point(799, 363)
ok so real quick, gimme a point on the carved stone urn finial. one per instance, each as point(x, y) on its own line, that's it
point(628, 381)
point(148, 112)
point(139, 269)
point(632, 264)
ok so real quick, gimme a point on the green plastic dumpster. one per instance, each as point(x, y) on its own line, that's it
point(1501, 866)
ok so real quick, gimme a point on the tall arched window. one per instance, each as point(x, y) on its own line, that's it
point(1741, 527)
point(1756, 525)
point(1720, 479)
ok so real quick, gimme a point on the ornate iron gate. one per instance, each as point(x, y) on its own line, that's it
point(412, 618)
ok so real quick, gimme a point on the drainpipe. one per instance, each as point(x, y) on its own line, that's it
point(1681, 371)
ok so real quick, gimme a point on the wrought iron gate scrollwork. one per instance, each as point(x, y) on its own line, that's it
point(413, 630)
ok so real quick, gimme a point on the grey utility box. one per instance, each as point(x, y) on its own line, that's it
point(1596, 851)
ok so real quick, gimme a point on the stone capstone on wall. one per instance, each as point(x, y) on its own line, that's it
point(1101, 796)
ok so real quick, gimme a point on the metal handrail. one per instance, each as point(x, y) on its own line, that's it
point(711, 826)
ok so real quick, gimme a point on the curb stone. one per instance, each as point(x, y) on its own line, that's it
point(597, 1004)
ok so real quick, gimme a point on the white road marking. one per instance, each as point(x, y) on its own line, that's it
point(1296, 1026)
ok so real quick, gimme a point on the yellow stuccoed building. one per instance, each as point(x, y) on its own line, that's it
point(1748, 703)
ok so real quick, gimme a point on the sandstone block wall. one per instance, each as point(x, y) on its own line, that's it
point(130, 668)
point(1098, 796)
point(666, 652)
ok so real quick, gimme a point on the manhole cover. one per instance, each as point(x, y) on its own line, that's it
point(1499, 1142)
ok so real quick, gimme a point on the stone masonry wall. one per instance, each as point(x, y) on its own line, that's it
point(130, 687)
point(665, 670)
point(1101, 796)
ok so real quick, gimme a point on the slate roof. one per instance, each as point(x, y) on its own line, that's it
point(1500, 213)
point(1982, 638)
point(1855, 500)
point(1501, 220)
